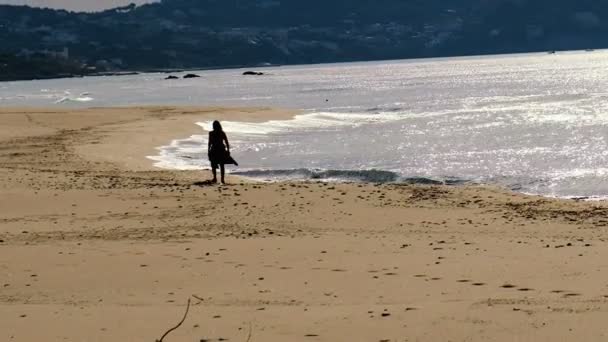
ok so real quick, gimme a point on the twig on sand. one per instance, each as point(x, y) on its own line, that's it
point(199, 298)
point(178, 324)
point(249, 335)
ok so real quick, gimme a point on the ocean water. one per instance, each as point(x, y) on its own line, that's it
point(535, 123)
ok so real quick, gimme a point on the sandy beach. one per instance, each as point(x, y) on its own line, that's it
point(96, 244)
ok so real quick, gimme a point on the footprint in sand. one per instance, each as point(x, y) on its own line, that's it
point(464, 281)
point(478, 284)
point(508, 286)
point(525, 289)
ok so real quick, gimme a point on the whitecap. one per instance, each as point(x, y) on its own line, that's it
point(320, 120)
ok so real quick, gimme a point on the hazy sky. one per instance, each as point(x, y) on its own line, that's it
point(75, 5)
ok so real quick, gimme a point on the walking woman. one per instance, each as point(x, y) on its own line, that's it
point(218, 152)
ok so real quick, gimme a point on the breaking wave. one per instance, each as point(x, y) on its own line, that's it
point(318, 120)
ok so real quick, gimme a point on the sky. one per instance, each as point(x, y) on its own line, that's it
point(76, 5)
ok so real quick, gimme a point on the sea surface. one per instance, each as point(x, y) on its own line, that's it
point(535, 123)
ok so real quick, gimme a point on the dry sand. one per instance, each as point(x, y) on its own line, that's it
point(97, 245)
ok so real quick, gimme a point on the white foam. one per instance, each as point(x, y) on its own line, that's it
point(578, 173)
point(322, 120)
point(68, 97)
point(166, 160)
point(172, 156)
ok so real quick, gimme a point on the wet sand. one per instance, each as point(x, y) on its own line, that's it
point(98, 245)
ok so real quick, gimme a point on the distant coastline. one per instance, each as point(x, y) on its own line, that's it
point(32, 75)
point(60, 75)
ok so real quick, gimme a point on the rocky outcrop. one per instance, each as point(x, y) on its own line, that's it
point(191, 76)
point(253, 73)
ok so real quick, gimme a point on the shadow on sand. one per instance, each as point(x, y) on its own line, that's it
point(205, 183)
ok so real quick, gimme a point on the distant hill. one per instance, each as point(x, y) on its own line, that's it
point(37, 67)
point(223, 33)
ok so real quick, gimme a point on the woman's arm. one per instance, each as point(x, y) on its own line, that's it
point(209, 143)
point(227, 143)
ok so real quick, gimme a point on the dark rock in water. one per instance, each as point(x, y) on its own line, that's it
point(171, 77)
point(252, 73)
point(191, 76)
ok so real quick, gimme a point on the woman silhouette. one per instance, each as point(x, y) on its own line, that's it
point(219, 154)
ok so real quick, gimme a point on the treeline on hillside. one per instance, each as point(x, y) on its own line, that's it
point(222, 33)
point(37, 67)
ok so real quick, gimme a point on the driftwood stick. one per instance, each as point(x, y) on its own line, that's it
point(249, 335)
point(178, 324)
point(199, 298)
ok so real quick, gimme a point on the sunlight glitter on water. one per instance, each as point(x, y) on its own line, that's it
point(536, 123)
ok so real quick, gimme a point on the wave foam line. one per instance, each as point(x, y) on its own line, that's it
point(68, 97)
point(319, 120)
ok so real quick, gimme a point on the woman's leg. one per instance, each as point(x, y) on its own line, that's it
point(222, 170)
point(213, 169)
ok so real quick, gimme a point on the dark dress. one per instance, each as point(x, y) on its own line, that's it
point(218, 154)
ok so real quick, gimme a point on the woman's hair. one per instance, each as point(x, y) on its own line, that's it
point(217, 126)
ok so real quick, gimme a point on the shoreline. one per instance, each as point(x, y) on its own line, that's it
point(125, 136)
point(128, 137)
point(92, 237)
point(274, 66)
